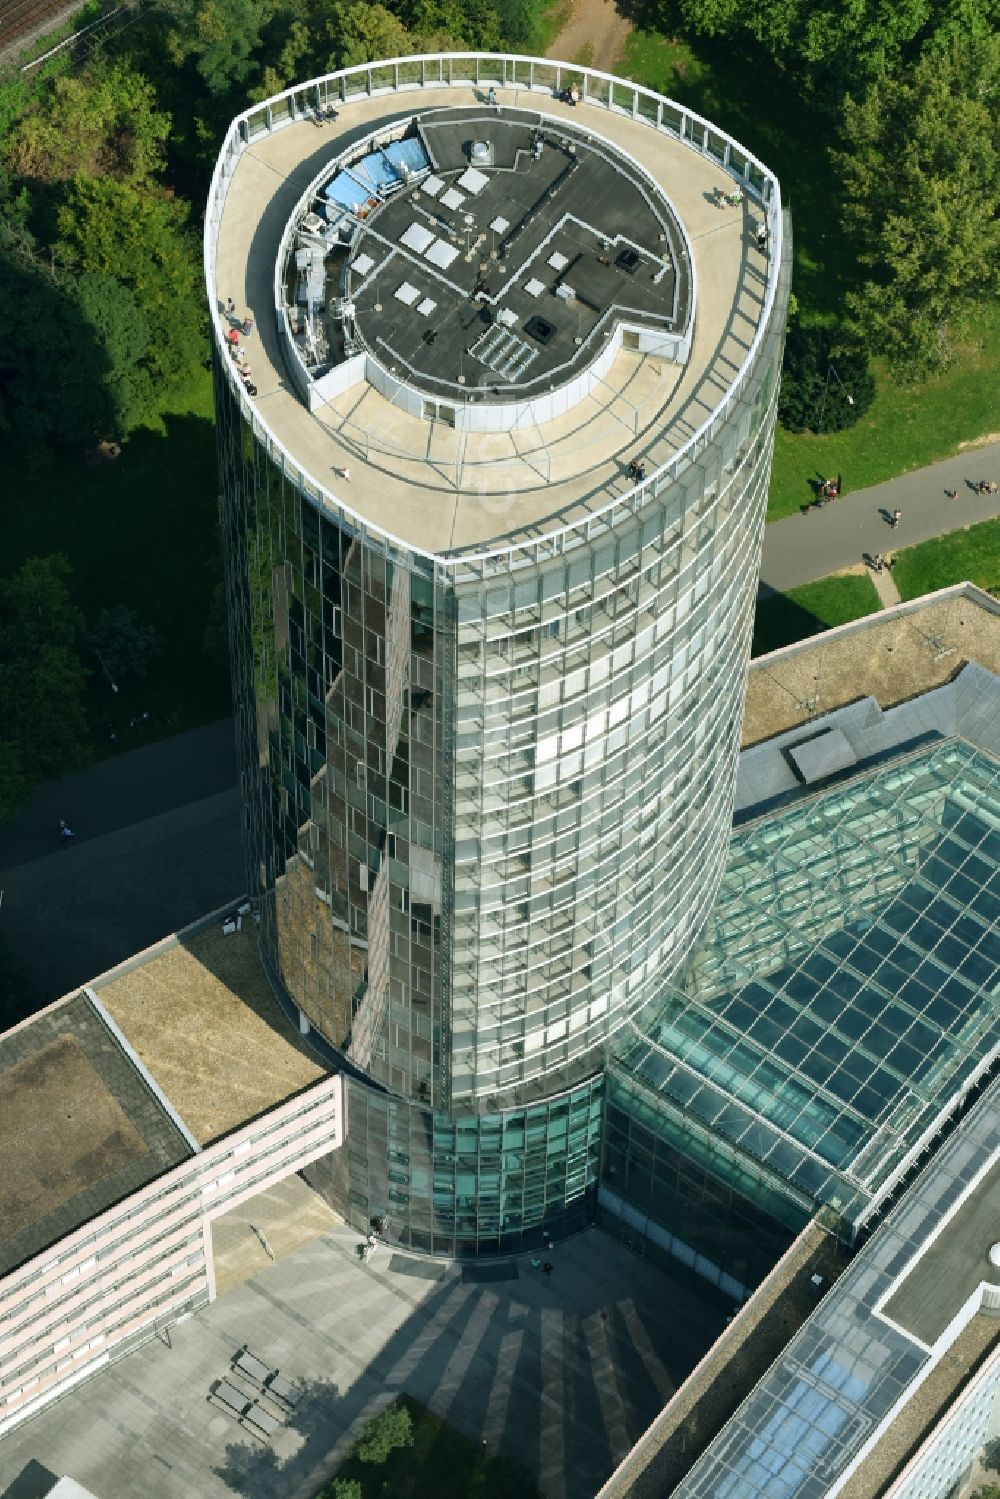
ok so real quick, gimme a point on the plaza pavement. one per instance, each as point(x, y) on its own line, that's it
point(801, 548)
point(560, 1374)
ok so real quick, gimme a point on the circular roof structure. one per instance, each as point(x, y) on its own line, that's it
point(486, 256)
point(497, 301)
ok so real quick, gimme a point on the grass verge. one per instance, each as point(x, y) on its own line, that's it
point(971, 555)
point(441, 1464)
point(141, 530)
point(783, 618)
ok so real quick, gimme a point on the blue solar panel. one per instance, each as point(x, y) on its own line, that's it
point(346, 190)
point(409, 153)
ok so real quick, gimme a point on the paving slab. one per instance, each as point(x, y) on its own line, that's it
point(557, 1372)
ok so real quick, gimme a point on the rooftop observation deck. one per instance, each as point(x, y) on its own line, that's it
point(442, 491)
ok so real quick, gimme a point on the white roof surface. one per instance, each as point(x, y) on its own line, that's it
point(441, 254)
point(500, 224)
point(417, 238)
point(507, 316)
point(534, 287)
point(472, 181)
point(558, 262)
point(426, 307)
point(406, 294)
point(431, 186)
point(362, 264)
point(452, 199)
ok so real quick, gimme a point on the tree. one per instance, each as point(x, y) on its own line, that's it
point(826, 381)
point(123, 644)
point(384, 1433)
point(42, 678)
point(120, 330)
point(140, 237)
point(345, 1488)
point(921, 171)
point(988, 1491)
point(843, 45)
point(102, 121)
point(220, 37)
point(360, 32)
point(70, 352)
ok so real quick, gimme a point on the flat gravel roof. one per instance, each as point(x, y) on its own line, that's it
point(79, 1129)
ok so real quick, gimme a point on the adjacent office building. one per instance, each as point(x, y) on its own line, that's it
point(493, 497)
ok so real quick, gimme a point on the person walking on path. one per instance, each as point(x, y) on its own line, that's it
point(65, 831)
point(897, 516)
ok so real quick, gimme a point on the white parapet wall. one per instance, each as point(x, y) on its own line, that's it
point(140, 1265)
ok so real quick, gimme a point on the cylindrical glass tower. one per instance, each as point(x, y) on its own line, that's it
point(493, 498)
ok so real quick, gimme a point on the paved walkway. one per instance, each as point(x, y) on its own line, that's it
point(804, 547)
point(560, 1374)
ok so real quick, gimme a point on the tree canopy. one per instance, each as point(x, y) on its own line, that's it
point(140, 238)
point(921, 169)
point(42, 678)
point(826, 381)
point(384, 1433)
point(71, 352)
point(846, 44)
point(103, 121)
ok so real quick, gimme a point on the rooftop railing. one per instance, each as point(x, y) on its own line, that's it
point(411, 75)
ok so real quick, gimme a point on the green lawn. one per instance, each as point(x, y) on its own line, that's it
point(142, 531)
point(971, 555)
point(906, 427)
point(786, 617)
point(441, 1464)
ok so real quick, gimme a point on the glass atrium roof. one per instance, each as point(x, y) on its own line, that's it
point(825, 1402)
point(846, 994)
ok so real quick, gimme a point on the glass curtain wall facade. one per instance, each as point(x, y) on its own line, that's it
point(487, 801)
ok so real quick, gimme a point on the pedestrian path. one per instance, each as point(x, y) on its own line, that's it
point(885, 588)
point(801, 548)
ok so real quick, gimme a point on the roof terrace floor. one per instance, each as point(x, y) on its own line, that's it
point(442, 490)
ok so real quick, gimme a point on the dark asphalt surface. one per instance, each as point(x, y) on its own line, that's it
point(158, 845)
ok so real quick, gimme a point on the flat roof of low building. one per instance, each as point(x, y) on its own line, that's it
point(847, 1376)
point(79, 1128)
point(891, 657)
point(951, 1266)
point(200, 1013)
point(446, 491)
